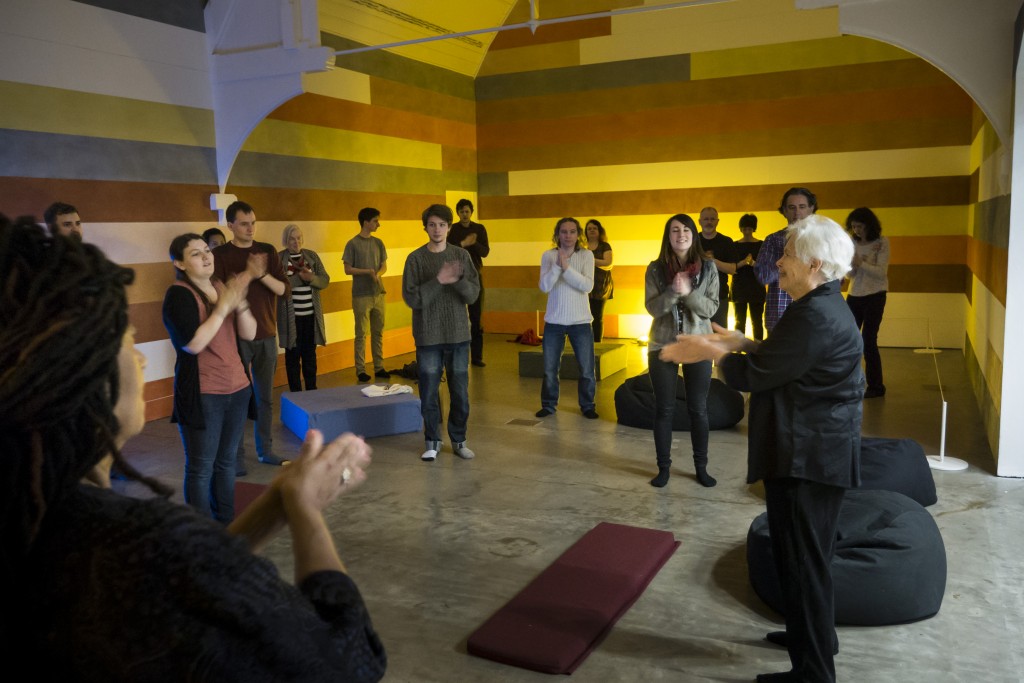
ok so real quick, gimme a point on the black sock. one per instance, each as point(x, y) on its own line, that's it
point(704, 478)
point(661, 479)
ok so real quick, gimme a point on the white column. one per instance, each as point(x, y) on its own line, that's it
point(1010, 458)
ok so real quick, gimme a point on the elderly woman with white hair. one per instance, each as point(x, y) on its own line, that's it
point(805, 386)
point(300, 317)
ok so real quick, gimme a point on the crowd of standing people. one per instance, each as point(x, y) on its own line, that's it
point(234, 300)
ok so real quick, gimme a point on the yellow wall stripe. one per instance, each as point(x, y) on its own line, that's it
point(795, 56)
point(274, 136)
point(45, 110)
point(795, 169)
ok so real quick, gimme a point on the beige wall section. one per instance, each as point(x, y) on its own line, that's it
point(922, 320)
point(79, 47)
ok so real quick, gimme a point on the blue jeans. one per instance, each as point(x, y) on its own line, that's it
point(696, 381)
point(453, 360)
point(581, 337)
point(210, 454)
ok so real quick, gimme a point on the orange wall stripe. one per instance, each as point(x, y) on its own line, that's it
point(911, 103)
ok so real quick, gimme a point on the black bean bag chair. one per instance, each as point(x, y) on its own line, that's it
point(897, 465)
point(634, 404)
point(889, 566)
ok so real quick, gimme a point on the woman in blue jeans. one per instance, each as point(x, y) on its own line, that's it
point(681, 293)
point(567, 276)
point(212, 391)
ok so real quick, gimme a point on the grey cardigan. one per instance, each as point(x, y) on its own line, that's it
point(287, 337)
point(661, 300)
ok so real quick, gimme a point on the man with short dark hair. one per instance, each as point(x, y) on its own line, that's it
point(260, 354)
point(366, 260)
point(472, 237)
point(798, 203)
point(63, 219)
point(438, 283)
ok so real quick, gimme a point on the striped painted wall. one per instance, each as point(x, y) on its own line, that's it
point(987, 257)
point(632, 142)
point(119, 123)
point(626, 120)
point(115, 118)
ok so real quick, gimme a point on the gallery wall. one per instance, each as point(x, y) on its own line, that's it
point(627, 121)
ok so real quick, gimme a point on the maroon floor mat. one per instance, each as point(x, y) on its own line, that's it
point(246, 493)
point(562, 615)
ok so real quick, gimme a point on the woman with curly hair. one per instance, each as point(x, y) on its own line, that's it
point(104, 587)
point(869, 282)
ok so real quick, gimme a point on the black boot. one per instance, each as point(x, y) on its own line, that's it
point(661, 479)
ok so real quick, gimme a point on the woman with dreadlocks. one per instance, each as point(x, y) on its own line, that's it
point(212, 394)
point(103, 587)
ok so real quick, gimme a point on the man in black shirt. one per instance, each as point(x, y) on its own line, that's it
point(718, 247)
point(473, 238)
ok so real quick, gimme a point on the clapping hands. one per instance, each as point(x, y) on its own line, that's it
point(450, 273)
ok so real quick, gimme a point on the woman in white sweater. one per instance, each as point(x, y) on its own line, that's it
point(869, 282)
point(567, 276)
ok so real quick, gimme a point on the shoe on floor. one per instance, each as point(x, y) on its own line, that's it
point(429, 455)
point(383, 374)
point(544, 412)
point(241, 473)
point(874, 392)
point(590, 414)
point(272, 460)
point(479, 364)
point(462, 451)
point(363, 377)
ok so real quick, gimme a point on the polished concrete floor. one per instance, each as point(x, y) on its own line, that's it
point(437, 548)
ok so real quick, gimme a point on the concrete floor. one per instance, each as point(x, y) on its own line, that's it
point(437, 548)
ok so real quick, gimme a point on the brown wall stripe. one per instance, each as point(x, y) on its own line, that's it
point(989, 264)
point(935, 250)
point(754, 143)
point(943, 191)
point(320, 110)
point(458, 159)
point(875, 107)
point(103, 201)
point(520, 105)
point(585, 78)
point(409, 98)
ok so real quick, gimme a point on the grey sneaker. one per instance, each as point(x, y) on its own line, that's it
point(460, 449)
point(430, 455)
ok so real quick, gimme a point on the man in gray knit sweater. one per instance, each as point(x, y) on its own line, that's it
point(438, 283)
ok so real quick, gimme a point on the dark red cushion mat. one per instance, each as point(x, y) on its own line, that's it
point(562, 615)
point(245, 493)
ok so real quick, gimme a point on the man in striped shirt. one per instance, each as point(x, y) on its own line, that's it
point(798, 203)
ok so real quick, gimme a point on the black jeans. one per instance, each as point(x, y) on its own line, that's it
point(301, 360)
point(476, 330)
point(696, 380)
point(597, 310)
point(867, 312)
point(756, 317)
